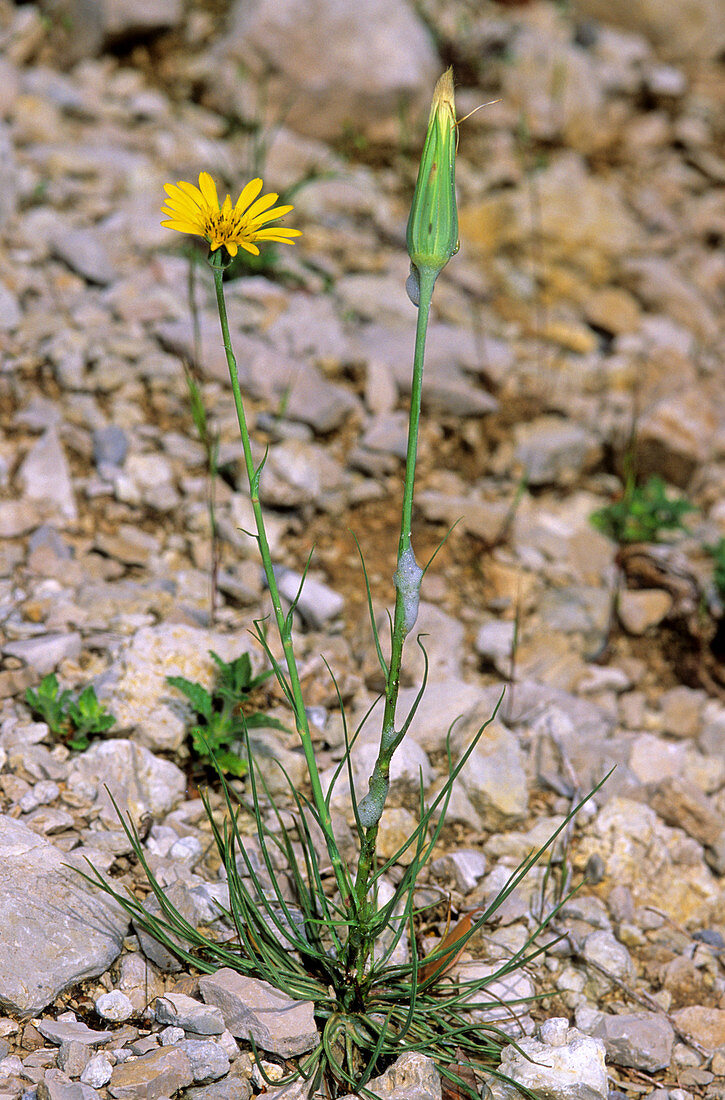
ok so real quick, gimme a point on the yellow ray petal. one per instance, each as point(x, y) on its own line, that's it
point(190, 191)
point(208, 190)
point(281, 230)
point(182, 226)
point(261, 204)
point(249, 194)
point(184, 208)
point(275, 212)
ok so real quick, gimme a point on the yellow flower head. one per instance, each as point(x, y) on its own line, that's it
point(191, 209)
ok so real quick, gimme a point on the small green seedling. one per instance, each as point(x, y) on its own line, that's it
point(76, 720)
point(220, 713)
point(642, 513)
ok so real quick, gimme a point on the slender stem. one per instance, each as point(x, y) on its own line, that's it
point(285, 633)
point(390, 739)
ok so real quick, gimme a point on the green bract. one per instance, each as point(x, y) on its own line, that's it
point(433, 223)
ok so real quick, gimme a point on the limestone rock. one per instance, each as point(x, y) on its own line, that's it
point(154, 1075)
point(57, 929)
point(563, 1064)
point(140, 782)
point(493, 777)
point(643, 1040)
point(642, 609)
point(554, 450)
point(693, 29)
point(45, 477)
point(251, 1007)
point(325, 90)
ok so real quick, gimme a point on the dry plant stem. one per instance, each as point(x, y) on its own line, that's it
point(284, 631)
point(390, 738)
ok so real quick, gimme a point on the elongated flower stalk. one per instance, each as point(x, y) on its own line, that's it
point(432, 239)
point(227, 228)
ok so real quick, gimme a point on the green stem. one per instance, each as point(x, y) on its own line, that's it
point(390, 739)
point(285, 631)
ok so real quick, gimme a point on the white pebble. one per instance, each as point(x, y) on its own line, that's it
point(187, 848)
point(97, 1072)
point(171, 1035)
point(114, 1006)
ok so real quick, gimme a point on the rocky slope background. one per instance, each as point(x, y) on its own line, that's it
point(576, 336)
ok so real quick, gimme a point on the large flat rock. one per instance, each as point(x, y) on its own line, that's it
point(57, 930)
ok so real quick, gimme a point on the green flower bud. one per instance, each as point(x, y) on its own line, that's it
point(433, 222)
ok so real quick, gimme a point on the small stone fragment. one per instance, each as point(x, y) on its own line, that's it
point(98, 1071)
point(181, 1011)
point(642, 1040)
point(641, 609)
point(114, 1006)
point(251, 1007)
point(208, 1060)
point(160, 1073)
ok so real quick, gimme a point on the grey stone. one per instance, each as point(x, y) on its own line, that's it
point(251, 1007)
point(412, 1077)
point(509, 996)
point(566, 1066)
point(9, 171)
point(84, 252)
point(72, 1031)
point(494, 642)
point(57, 929)
point(140, 782)
point(193, 905)
point(642, 609)
point(272, 35)
point(45, 477)
point(318, 603)
point(603, 949)
point(73, 1057)
point(410, 764)
point(139, 981)
point(40, 794)
point(10, 313)
point(97, 1072)
point(642, 1040)
point(160, 1073)
point(17, 517)
point(57, 1086)
point(110, 446)
point(387, 433)
point(137, 689)
point(114, 1006)
point(182, 1011)
point(493, 777)
point(553, 450)
point(208, 1060)
point(231, 1088)
point(693, 30)
point(464, 867)
point(46, 651)
point(298, 472)
point(96, 26)
point(584, 609)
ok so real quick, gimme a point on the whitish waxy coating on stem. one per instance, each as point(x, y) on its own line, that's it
point(370, 807)
point(407, 578)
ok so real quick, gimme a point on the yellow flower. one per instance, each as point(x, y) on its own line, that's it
point(191, 209)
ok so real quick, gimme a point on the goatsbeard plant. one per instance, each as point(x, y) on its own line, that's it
point(331, 939)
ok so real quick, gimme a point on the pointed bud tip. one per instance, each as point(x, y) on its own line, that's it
point(443, 94)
